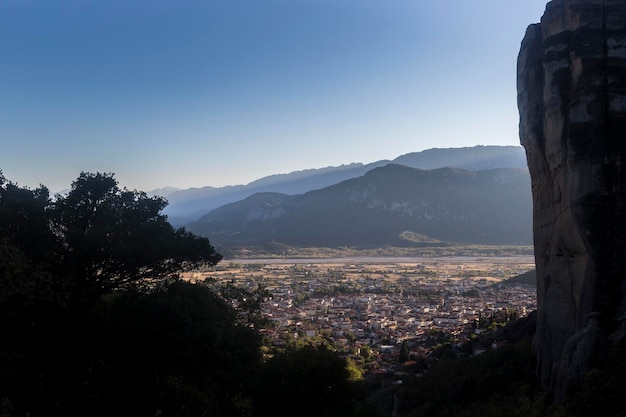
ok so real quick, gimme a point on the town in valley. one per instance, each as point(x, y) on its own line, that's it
point(388, 313)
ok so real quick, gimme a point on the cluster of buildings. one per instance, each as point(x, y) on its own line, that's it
point(378, 307)
point(390, 314)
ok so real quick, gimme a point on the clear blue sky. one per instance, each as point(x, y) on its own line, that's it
point(192, 93)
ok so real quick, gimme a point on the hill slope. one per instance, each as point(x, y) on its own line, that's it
point(475, 158)
point(189, 205)
point(393, 205)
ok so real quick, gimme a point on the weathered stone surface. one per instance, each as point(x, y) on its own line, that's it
point(572, 104)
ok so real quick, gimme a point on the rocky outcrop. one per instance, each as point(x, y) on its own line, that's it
point(572, 103)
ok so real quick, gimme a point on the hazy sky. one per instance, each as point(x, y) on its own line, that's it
point(217, 92)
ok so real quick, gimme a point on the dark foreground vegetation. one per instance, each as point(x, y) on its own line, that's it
point(94, 321)
point(502, 382)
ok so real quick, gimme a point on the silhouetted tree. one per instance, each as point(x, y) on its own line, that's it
point(29, 292)
point(60, 258)
point(98, 238)
point(111, 238)
point(177, 350)
point(24, 219)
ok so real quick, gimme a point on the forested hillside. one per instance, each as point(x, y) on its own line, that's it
point(392, 205)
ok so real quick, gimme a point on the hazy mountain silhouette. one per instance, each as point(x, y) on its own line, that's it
point(190, 204)
point(163, 192)
point(476, 158)
point(392, 205)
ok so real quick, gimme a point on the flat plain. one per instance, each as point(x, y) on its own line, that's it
point(373, 302)
point(269, 269)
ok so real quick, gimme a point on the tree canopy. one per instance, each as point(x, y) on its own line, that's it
point(98, 237)
point(95, 319)
point(89, 286)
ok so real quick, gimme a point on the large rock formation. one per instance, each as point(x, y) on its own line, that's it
point(572, 103)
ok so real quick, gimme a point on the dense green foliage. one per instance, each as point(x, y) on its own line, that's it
point(307, 381)
point(96, 239)
point(503, 383)
point(175, 348)
point(456, 385)
point(95, 320)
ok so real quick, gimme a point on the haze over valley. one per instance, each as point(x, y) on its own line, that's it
point(438, 197)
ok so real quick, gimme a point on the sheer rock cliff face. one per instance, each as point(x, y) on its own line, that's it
point(572, 104)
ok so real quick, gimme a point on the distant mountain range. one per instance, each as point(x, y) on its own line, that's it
point(187, 206)
point(390, 205)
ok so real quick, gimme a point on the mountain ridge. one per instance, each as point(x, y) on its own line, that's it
point(186, 206)
point(394, 205)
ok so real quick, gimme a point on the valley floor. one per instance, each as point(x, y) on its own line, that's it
point(393, 260)
point(374, 304)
